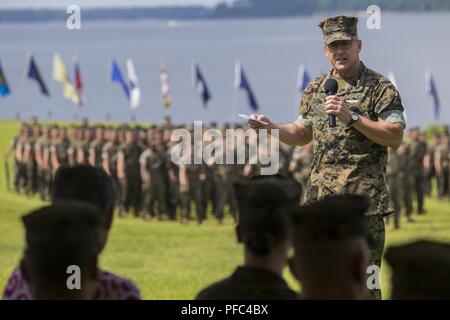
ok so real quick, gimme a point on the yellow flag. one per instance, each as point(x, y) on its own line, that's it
point(60, 74)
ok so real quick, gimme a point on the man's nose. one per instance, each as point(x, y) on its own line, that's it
point(339, 49)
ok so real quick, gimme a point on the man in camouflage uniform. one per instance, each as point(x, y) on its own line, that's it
point(393, 180)
point(30, 159)
point(406, 183)
point(430, 170)
point(417, 151)
point(42, 151)
point(225, 175)
point(173, 189)
point(110, 152)
point(300, 164)
point(152, 164)
point(96, 147)
point(442, 164)
point(350, 157)
point(59, 148)
point(83, 146)
point(128, 172)
point(16, 147)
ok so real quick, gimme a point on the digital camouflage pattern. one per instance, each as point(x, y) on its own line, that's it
point(339, 28)
point(346, 161)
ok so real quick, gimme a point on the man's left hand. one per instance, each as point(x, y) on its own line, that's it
point(338, 107)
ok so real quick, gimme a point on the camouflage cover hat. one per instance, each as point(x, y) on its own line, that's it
point(339, 28)
point(420, 270)
point(331, 219)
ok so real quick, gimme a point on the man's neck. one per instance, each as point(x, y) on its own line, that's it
point(266, 263)
point(331, 293)
point(352, 72)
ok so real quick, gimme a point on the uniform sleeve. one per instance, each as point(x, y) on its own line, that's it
point(388, 104)
point(305, 106)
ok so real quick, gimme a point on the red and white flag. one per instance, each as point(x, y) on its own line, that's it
point(165, 88)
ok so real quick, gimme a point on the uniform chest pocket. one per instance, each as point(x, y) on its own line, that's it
point(359, 103)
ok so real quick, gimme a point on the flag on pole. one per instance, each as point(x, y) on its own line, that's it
point(165, 88)
point(116, 76)
point(241, 82)
point(200, 84)
point(430, 89)
point(133, 84)
point(77, 80)
point(34, 74)
point(4, 88)
point(303, 79)
point(60, 75)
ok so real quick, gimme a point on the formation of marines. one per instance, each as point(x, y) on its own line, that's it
point(138, 159)
point(151, 185)
point(414, 168)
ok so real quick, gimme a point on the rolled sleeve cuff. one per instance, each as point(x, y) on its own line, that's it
point(303, 122)
point(393, 116)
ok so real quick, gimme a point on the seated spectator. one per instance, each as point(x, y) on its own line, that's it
point(420, 271)
point(263, 229)
point(57, 237)
point(92, 185)
point(330, 246)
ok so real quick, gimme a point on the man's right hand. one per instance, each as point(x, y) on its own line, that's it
point(257, 125)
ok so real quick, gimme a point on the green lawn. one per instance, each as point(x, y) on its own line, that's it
point(172, 261)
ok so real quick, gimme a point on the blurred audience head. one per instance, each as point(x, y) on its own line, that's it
point(420, 270)
point(59, 239)
point(330, 245)
point(89, 184)
point(263, 223)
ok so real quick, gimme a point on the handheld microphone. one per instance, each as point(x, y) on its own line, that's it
point(331, 87)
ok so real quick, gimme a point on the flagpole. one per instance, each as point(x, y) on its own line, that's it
point(108, 113)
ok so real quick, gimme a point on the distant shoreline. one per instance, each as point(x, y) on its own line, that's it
point(196, 13)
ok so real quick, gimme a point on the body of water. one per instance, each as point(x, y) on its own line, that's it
point(270, 51)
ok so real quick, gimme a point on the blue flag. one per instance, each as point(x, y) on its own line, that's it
point(4, 88)
point(303, 79)
point(430, 89)
point(241, 82)
point(116, 76)
point(200, 83)
point(34, 74)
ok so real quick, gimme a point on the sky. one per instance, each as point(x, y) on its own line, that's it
point(24, 4)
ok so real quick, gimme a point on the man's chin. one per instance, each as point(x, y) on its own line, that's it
point(341, 67)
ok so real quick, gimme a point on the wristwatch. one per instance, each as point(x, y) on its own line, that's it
point(353, 118)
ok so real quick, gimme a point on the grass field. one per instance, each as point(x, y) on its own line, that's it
point(172, 261)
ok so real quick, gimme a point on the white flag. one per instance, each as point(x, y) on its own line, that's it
point(133, 84)
point(391, 78)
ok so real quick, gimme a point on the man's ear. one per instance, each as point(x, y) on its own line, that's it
point(293, 267)
point(359, 44)
point(239, 236)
